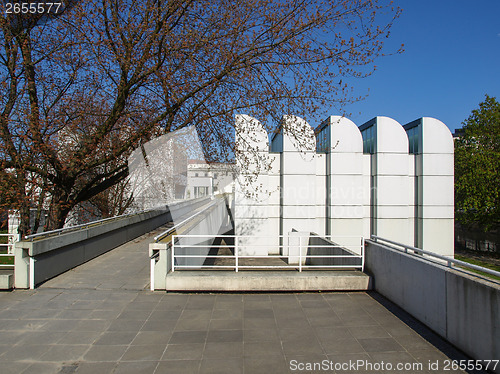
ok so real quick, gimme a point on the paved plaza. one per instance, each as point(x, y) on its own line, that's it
point(102, 318)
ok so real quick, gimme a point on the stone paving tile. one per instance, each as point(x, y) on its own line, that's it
point(259, 348)
point(227, 314)
point(221, 350)
point(43, 368)
point(361, 332)
point(143, 353)
point(95, 367)
point(188, 351)
point(99, 353)
point(186, 337)
point(225, 336)
point(65, 353)
point(157, 325)
point(116, 338)
point(226, 324)
point(302, 346)
point(326, 334)
point(195, 324)
point(222, 366)
point(152, 337)
point(261, 335)
point(381, 345)
point(265, 364)
point(342, 346)
point(259, 323)
point(101, 318)
point(135, 367)
point(178, 367)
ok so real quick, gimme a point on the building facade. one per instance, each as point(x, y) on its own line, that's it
point(345, 181)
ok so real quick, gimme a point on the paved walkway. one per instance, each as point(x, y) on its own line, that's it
point(101, 318)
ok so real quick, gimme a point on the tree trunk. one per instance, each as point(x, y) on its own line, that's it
point(24, 205)
point(58, 210)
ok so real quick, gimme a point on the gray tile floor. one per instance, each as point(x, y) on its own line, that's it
point(101, 318)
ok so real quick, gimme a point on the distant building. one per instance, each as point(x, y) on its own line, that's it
point(205, 179)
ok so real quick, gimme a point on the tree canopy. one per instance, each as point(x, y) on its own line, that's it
point(78, 92)
point(477, 167)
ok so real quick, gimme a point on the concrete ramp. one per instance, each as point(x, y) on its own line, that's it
point(267, 281)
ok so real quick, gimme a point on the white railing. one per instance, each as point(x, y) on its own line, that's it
point(297, 257)
point(83, 226)
point(447, 261)
point(7, 249)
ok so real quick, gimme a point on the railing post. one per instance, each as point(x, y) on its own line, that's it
point(300, 254)
point(32, 273)
point(362, 254)
point(236, 248)
point(152, 274)
point(173, 254)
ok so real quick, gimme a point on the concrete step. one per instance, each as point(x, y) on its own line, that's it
point(6, 279)
point(255, 281)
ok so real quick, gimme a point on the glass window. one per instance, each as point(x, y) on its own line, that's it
point(323, 140)
point(369, 140)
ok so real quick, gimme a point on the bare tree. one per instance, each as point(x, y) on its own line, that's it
point(80, 91)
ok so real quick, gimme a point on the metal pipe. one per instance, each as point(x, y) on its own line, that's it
point(448, 260)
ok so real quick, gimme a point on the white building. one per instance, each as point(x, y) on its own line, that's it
point(342, 180)
point(205, 179)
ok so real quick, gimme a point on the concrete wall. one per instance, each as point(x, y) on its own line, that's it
point(317, 247)
point(39, 260)
point(463, 309)
point(213, 221)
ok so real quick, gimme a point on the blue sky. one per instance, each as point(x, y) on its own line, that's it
point(451, 60)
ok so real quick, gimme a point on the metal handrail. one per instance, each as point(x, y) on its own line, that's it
point(90, 224)
point(449, 261)
point(10, 252)
point(174, 228)
point(9, 244)
point(236, 246)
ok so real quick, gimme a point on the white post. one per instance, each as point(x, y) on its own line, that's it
point(300, 254)
point(173, 255)
point(152, 272)
point(32, 273)
point(362, 254)
point(236, 252)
